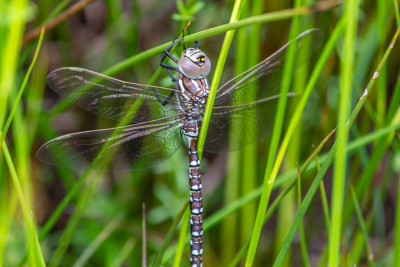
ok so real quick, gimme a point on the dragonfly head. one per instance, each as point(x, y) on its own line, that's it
point(194, 63)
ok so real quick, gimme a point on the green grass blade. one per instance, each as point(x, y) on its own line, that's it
point(249, 153)
point(368, 173)
point(10, 48)
point(182, 238)
point(58, 9)
point(396, 258)
point(395, 100)
point(217, 76)
point(396, 12)
point(325, 207)
point(35, 254)
point(123, 253)
point(168, 238)
point(358, 243)
point(21, 89)
point(230, 224)
point(100, 239)
point(22, 151)
point(339, 171)
point(303, 242)
point(361, 222)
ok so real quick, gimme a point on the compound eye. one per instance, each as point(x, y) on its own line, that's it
point(206, 68)
point(189, 68)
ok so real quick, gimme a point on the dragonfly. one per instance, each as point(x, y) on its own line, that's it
point(165, 117)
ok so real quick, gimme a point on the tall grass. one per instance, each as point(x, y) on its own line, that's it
point(268, 194)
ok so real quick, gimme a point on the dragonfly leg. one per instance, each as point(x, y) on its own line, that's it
point(171, 75)
point(167, 54)
point(183, 35)
point(166, 101)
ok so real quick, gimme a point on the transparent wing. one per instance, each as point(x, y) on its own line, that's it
point(132, 147)
point(233, 127)
point(111, 98)
point(264, 79)
point(245, 106)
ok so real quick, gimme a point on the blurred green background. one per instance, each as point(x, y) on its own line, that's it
point(60, 217)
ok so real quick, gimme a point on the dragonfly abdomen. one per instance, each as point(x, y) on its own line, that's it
point(196, 205)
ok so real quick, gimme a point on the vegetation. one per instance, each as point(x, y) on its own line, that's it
point(322, 188)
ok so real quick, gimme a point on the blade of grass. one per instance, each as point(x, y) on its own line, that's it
point(123, 253)
point(324, 201)
point(35, 253)
point(228, 242)
point(10, 49)
point(100, 238)
point(361, 222)
point(379, 151)
point(182, 238)
point(274, 206)
point(249, 152)
point(57, 10)
point(235, 165)
point(358, 244)
point(168, 238)
point(287, 209)
point(217, 75)
point(303, 242)
point(381, 92)
point(22, 155)
point(144, 236)
point(396, 258)
point(21, 90)
point(325, 207)
point(394, 99)
point(379, 214)
point(339, 167)
point(396, 12)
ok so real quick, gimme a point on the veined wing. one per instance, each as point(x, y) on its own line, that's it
point(234, 126)
point(132, 147)
point(245, 106)
point(264, 79)
point(111, 98)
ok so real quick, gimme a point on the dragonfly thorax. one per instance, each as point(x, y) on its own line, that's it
point(194, 63)
point(193, 97)
point(193, 89)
